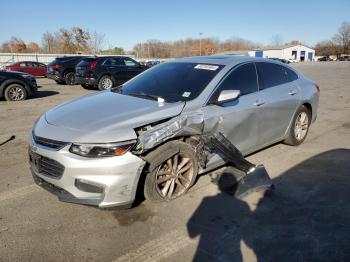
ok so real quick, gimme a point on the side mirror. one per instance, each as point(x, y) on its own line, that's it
point(227, 96)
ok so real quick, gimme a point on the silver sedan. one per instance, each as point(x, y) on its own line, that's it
point(101, 149)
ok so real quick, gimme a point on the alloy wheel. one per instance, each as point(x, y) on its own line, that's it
point(174, 176)
point(301, 126)
point(16, 93)
point(107, 83)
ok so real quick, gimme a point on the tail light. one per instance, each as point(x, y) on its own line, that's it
point(56, 67)
point(92, 65)
point(317, 87)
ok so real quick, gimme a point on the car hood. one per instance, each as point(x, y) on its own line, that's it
point(103, 117)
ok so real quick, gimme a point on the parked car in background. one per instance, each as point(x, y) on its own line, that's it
point(344, 58)
point(29, 67)
point(324, 58)
point(279, 59)
point(151, 63)
point(16, 86)
point(62, 69)
point(107, 71)
point(92, 150)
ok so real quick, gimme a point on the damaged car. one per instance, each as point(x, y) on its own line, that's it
point(148, 134)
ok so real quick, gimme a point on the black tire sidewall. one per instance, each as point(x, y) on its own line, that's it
point(68, 76)
point(7, 89)
point(163, 152)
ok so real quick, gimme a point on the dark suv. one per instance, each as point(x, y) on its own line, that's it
point(62, 69)
point(16, 86)
point(106, 72)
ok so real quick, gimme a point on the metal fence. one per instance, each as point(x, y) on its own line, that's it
point(8, 58)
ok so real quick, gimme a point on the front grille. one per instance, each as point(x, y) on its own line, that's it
point(45, 165)
point(49, 142)
point(50, 167)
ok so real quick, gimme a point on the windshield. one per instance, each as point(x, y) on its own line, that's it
point(172, 82)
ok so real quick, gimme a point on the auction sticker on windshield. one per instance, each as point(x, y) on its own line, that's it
point(206, 67)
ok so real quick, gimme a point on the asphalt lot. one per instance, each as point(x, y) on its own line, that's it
point(305, 219)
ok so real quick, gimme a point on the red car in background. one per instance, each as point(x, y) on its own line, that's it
point(33, 68)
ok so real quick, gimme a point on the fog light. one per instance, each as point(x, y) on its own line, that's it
point(88, 186)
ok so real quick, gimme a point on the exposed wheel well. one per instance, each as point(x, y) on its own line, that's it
point(308, 106)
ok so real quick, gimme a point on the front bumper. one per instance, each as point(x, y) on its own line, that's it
point(117, 177)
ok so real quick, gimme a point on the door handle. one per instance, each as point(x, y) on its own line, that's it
point(292, 92)
point(259, 103)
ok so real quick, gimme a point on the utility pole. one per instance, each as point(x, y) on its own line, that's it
point(200, 44)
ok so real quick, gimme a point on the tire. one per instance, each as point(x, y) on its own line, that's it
point(171, 155)
point(87, 86)
point(70, 78)
point(105, 83)
point(299, 127)
point(15, 92)
point(60, 82)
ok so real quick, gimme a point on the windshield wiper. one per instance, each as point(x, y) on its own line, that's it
point(144, 95)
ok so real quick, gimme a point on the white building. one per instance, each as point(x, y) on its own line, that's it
point(298, 53)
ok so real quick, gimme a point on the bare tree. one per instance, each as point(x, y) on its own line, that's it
point(96, 42)
point(277, 40)
point(343, 37)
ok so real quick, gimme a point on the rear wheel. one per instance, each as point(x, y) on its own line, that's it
point(175, 168)
point(60, 82)
point(70, 78)
point(105, 82)
point(15, 92)
point(300, 127)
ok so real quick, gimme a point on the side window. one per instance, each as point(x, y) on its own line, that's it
point(271, 75)
point(115, 61)
point(242, 78)
point(130, 62)
point(22, 64)
point(291, 74)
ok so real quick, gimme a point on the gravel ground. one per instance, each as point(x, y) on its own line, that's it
point(305, 219)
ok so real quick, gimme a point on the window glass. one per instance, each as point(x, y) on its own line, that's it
point(271, 74)
point(171, 81)
point(22, 64)
point(129, 62)
point(291, 74)
point(242, 78)
point(115, 61)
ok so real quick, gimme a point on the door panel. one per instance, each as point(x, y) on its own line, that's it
point(281, 98)
point(238, 119)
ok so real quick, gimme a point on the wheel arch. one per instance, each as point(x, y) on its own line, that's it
point(6, 83)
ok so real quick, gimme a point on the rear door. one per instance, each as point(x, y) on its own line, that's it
point(279, 98)
point(239, 117)
point(115, 65)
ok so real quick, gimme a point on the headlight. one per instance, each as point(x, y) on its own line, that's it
point(102, 150)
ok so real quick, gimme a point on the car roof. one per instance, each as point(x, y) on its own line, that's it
point(220, 59)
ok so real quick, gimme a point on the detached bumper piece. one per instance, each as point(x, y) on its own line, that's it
point(253, 178)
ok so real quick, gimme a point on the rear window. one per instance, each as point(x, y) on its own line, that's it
point(86, 61)
point(271, 75)
point(172, 81)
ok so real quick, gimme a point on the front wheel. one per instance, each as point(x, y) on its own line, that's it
point(300, 127)
point(15, 92)
point(175, 172)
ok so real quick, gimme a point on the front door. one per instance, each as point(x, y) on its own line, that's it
point(238, 118)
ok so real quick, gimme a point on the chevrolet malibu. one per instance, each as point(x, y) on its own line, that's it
point(145, 136)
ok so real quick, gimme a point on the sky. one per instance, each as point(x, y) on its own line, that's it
point(125, 23)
